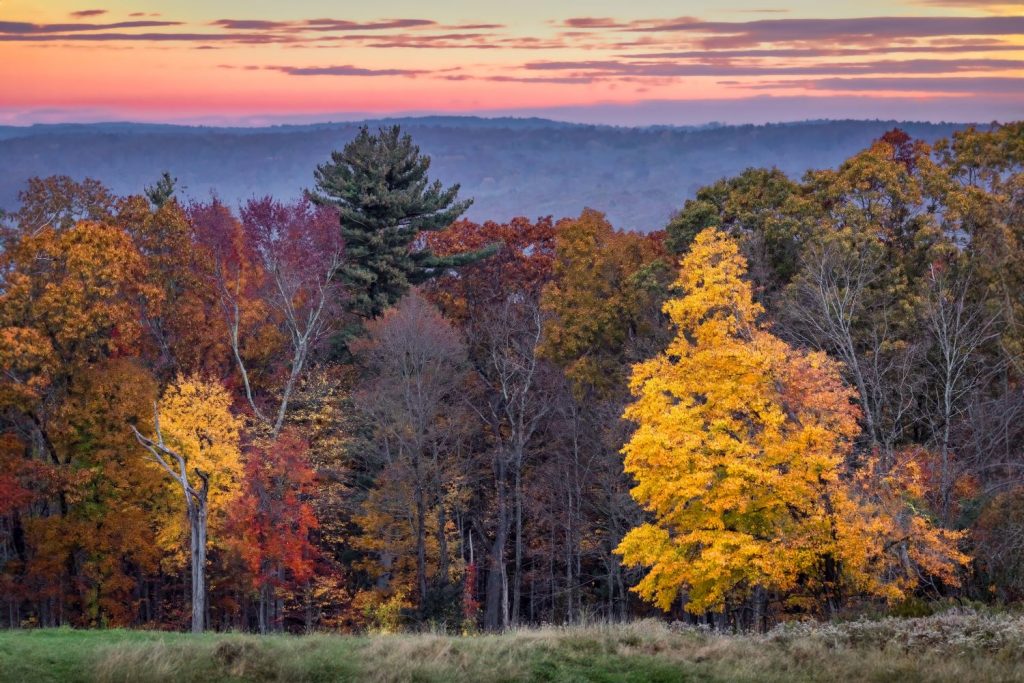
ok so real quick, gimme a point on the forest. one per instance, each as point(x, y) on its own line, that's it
point(801, 398)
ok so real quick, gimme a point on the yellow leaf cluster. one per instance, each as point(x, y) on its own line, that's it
point(197, 422)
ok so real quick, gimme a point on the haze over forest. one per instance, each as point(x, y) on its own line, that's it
point(638, 176)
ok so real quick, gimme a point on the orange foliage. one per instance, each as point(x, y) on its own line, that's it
point(272, 519)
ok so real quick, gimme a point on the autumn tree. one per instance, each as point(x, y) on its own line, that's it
point(323, 412)
point(738, 455)
point(183, 329)
point(763, 209)
point(299, 254)
point(59, 202)
point(66, 310)
point(413, 399)
point(986, 207)
point(85, 538)
point(252, 334)
point(905, 267)
point(68, 280)
point(66, 301)
point(195, 440)
point(272, 520)
point(116, 504)
point(602, 300)
point(379, 185)
point(602, 313)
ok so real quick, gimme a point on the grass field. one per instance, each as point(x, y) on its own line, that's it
point(956, 646)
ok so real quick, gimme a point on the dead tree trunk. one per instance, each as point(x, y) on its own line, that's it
point(197, 512)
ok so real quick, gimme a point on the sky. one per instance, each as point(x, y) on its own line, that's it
point(640, 62)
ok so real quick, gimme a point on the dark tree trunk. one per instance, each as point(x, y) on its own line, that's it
point(518, 573)
point(421, 542)
point(496, 584)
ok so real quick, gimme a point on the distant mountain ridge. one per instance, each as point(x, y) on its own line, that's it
point(425, 121)
point(510, 166)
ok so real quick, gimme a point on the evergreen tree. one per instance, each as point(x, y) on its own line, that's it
point(380, 187)
point(162, 190)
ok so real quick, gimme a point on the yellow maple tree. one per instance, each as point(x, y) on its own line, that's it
point(739, 455)
point(196, 441)
point(196, 422)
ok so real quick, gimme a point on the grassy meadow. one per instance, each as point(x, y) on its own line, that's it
point(955, 646)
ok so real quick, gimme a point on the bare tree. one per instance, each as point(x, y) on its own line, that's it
point(297, 253)
point(506, 335)
point(497, 302)
point(843, 302)
point(417, 367)
point(959, 328)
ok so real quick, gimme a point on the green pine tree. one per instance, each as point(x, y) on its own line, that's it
point(162, 190)
point(379, 185)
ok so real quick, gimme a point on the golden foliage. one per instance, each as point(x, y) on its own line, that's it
point(68, 300)
point(196, 421)
point(605, 284)
point(739, 453)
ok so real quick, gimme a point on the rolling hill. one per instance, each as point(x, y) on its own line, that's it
point(533, 167)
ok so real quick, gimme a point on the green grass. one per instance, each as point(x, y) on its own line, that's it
point(951, 647)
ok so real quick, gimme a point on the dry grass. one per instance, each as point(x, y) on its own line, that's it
point(955, 646)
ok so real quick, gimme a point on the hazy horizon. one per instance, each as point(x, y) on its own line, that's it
point(638, 176)
point(643, 115)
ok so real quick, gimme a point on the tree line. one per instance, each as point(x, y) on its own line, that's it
point(357, 410)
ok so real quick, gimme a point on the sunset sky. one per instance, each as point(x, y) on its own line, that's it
point(637, 62)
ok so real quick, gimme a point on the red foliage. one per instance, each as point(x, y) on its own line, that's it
point(273, 518)
point(13, 493)
point(902, 147)
point(520, 268)
point(217, 229)
point(301, 238)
